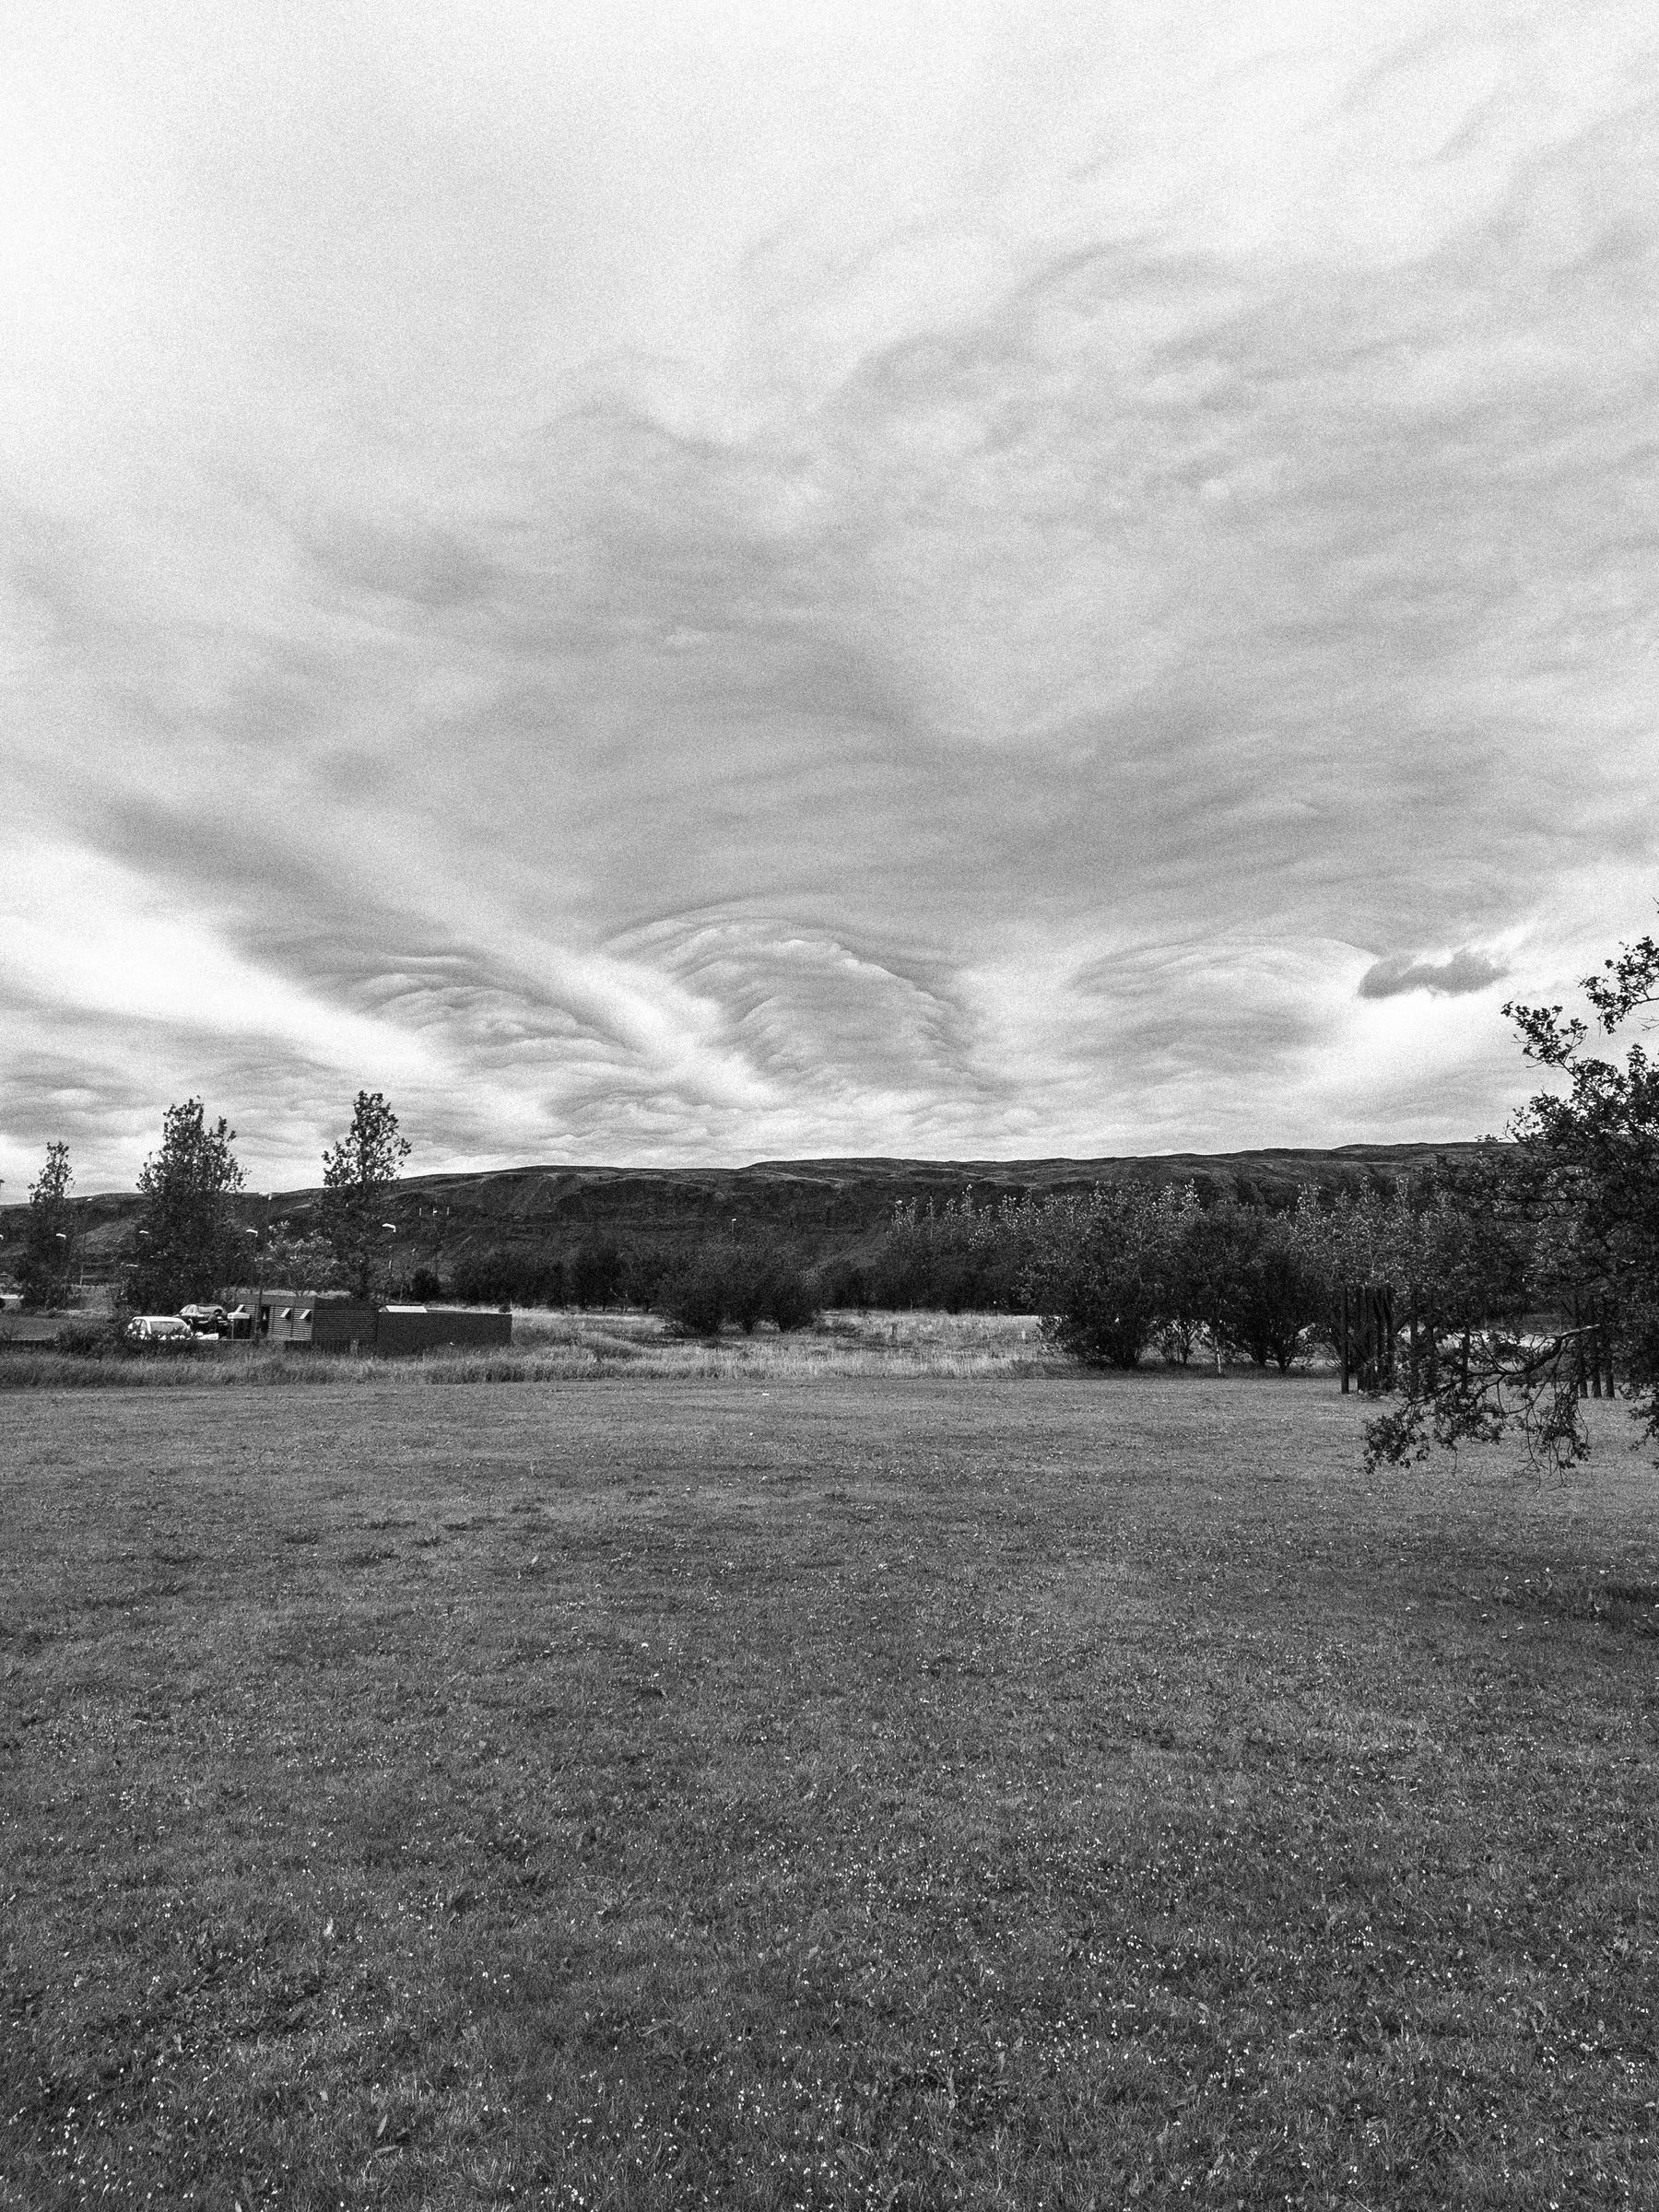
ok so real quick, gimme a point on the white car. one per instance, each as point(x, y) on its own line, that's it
point(159, 1328)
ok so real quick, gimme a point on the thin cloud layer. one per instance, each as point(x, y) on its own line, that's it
point(880, 588)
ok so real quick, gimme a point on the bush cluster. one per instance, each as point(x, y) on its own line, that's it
point(95, 1336)
point(594, 1275)
point(742, 1280)
point(745, 1280)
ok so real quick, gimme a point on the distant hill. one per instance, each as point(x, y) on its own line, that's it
point(822, 1205)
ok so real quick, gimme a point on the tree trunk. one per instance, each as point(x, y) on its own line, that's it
point(1344, 1331)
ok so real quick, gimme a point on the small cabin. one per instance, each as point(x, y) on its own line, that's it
point(270, 1316)
point(329, 1323)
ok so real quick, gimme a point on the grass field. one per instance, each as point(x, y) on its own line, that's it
point(561, 1346)
point(836, 1791)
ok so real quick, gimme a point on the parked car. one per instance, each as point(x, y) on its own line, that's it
point(159, 1328)
point(206, 1320)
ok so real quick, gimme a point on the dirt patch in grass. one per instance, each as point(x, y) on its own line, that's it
point(864, 1793)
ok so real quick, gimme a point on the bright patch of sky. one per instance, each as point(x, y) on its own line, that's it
point(693, 584)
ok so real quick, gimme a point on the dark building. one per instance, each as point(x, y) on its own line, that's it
point(341, 1325)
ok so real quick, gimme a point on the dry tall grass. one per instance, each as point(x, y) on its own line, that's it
point(554, 1346)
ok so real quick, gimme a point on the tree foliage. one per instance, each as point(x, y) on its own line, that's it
point(360, 1174)
point(748, 1280)
point(1561, 1249)
point(1279, 1290)
point(1128, 1268)
point(187, 1241)
point(46, 1269)
point(279, 1253)
point(1099, 1269)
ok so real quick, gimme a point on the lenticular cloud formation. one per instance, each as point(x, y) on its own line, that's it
point(875, 585)
point(1459, 973)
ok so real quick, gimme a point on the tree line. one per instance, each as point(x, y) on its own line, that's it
point(1123, 1274)
point(188, 1243)
point(1525, 1279)
point(1126, 1272)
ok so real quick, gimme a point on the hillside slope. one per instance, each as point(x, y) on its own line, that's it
point(823, 1206)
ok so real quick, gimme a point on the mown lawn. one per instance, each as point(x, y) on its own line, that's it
point(1039, 1792)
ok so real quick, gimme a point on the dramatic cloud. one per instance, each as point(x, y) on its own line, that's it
point(1459, 973)
point(862, 580)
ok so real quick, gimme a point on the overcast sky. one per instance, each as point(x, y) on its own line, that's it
point(705, 582)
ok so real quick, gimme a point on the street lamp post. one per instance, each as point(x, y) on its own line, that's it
point(258, 1282)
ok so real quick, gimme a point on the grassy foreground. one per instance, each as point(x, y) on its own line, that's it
point(880, 1793)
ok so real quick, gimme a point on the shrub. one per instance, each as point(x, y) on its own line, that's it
point(746, 1282)
point(644, 1269)
point(695, 1294)
point(92, 1338)
point(495, 1277)
point(792, 1302)
point(843, 1282)
point(956, 1258)
point(595, 1275)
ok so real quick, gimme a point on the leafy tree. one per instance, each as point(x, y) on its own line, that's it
point(495, 1276)
point(277, 1255)
point(1455, 1244)
point(769, 1283)
point(360, 1174)
point(187, 1241)
point(1278, 1292)
point(697, 1292)
point(595, 1275)
point(1209, 1250)
point(843, 1282)
point(47, 1265)
point(1181, 1322)
point(1577, 1219)
point(748, 1280)
point(1594, 1153)
point(1100, 1269)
